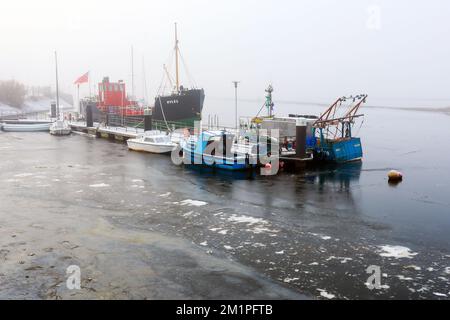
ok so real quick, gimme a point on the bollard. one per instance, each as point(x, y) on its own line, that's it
point(89, 119)
point(53, 110)
point(148, 121)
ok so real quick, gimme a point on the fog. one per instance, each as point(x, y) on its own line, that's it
point(311, 50)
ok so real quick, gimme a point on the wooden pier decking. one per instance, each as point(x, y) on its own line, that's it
point(107, 132)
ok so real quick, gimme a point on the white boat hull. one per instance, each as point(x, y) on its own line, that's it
point(149, 147)
point(26, 127)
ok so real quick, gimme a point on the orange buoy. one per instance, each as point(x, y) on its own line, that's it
point(395, 175)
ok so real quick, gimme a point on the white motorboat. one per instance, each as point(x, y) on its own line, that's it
point(153, 141)
point(60, 128)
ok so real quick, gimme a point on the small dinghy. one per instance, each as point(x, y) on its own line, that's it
point(60, 128)
point(153, 141)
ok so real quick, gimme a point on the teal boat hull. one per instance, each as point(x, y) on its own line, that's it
point(339, 151)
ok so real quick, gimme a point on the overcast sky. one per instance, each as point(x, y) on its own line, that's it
point(311, 50)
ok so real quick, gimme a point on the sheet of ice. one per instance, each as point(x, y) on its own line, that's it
point(258, 230)
point(397, 252)
point(99, 185)
point(165, 194)
point(258, 245)
point(228, 247)
point(440, 294)
point(342, 259)
point(247, 220)
point(416, 268)
point(289, 280)
point(23, 175)
point(323, 237)
point(193, 203)
point(325, 294)
point(384, 286)
point(188, 214)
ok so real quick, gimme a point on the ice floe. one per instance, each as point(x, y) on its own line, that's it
point(247, 220)
point(323, 237)
point(397, 252)
point(440, 294)
point(193, 203)
point(23, 175)
point(99, 185)
point(342, 259)
point(325, 294)
point(416, 268)
point(165, 194)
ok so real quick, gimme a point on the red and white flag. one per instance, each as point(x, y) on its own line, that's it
point(83, 79)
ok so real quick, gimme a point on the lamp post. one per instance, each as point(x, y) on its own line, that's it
point(236, 103)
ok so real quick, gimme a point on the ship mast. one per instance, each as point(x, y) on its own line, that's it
point(176, 59)
point(57, 86)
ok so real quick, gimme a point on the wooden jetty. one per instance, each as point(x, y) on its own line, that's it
point(107, 132)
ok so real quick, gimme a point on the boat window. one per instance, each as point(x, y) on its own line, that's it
point(149, 140)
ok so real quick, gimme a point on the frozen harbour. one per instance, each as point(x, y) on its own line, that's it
point(140, 227)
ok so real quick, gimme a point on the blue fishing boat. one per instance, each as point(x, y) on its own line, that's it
point(333, 136)
point(215, 149)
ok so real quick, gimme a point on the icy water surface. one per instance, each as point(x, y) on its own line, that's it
point(140, 227)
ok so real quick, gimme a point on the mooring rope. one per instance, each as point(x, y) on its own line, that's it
point(164, 116)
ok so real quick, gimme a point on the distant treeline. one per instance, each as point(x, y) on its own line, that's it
point(12, 93)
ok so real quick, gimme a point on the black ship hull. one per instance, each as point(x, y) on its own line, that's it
point(183, 107)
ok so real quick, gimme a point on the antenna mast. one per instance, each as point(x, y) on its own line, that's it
point(132, 73)
point(176, 59)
